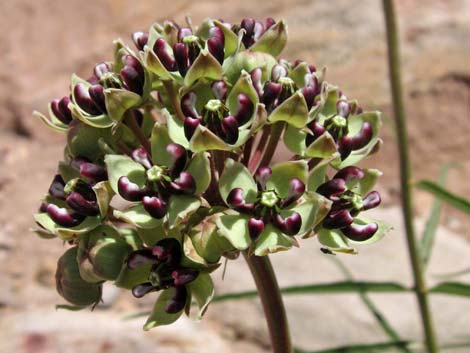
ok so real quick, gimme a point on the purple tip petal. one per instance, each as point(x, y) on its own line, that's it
point(188, 105)
point(345, 146)
point(216, 43)
point(141, 156)
point(272, 91)
point(129, 190)
point(230, 128)
point(181, 53)
point(140, 257)
point(56, 189)
point(245, 109)
point(371, 200)
point(332, 188)
point(219, 88)
point(343, 108)
point(350, 173)
point(290, 225)
point(184, 184)
point(168, 250)
point(363, 137)
point(163, 52)
point(96, 93)
point(256, 74)
point(190, 126)
point(235, 197)
point(258, 31)
point(262, 175)
point(270, 22)
point(178, 301)
point(84, 101)
point(63, 217)
point(255, 227)
point(61, 110)
point(81, 205)
point(155, 206)
point(183, 276)
point(100, 69)
point(140, 39)
point(296, 190)
point(358, 232)
point(184, 32)
point(338, 219)
point(278, 71)
point(179, 157)
point(142, 289)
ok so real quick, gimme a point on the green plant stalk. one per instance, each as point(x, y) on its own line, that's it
point(271, 299)
point(276, 132)
point(405, 173)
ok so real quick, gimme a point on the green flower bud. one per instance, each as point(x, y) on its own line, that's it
point(101, 254)
point(248, 61)
point(71, 286)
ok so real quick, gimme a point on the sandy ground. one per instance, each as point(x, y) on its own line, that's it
point(44, 41)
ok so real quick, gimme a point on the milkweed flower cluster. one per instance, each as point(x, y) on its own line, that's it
point(167, 167)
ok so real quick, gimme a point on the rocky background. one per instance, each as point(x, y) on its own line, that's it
point(43, 41)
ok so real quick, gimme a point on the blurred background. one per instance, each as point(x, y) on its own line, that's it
point(43, 41)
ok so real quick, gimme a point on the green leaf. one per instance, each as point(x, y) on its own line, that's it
point(205, 140)
point(50, 122)
point(159, 317)
point(324, 288)
point(137, 216)
point(119, 101)
point(204, 67)
point(159, 141)
point(231, 39)
point(101, 121)
point(366, 184)
point(175, 129)
point(180, 207)
point(323, 147)
point(335, 241)
point(88, 224)
point(282, 173)
point(82, 138)
point(154, 65)
point(207, 241)
point(363, 348)
point(272, 240)
point(297, 74)
point(191, 258)
point(293, 111)
point(103, 193)
point(330, 96)
point(150, 236)
point(199, 168)
point(243, 85)
point(312, 211)
point(294, 140)
point(452, 288)
point(119, 165)
point(444, 195)
point(273, 40)
point(202, 289)
point(129, 278)
point(427, 240)
point(317, 175)
point(236, 175)
point(247, 60)
point(234, 227)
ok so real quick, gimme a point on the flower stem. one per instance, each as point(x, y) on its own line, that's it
point(271, 299)
point(405, 173)
point(276, 132)
point(131, 122)
point(172, 94)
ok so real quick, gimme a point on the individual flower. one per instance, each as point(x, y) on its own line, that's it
point(166, 272)
point(267, 212)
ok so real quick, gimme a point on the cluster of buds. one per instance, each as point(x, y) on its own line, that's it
point(347, 204)
point(168, 167)
point(166, 272)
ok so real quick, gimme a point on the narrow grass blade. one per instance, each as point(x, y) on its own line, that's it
point(446, 196)
point(378, 315)
point(452, 288)
point(362, 348)
point(429, 234)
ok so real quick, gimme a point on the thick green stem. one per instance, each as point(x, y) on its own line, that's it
point(271, 299)
point(405, 173)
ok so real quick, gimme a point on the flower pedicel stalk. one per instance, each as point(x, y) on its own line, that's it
point(181, 129)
